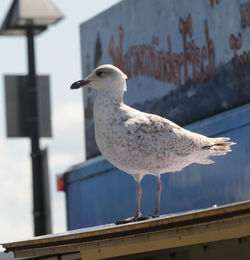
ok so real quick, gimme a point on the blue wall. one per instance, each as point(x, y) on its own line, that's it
point(97, 193)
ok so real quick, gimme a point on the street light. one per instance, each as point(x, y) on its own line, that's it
point(30, 18)
point(29, 13)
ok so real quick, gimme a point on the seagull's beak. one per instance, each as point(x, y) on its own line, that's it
point(80, 83)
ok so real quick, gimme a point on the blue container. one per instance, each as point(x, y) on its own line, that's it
point(98, 193)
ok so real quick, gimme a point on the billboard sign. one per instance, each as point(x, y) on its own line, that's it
point(184, 61)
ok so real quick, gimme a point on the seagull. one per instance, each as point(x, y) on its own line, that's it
point(139, 143)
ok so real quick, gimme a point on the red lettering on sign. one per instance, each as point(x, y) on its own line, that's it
point(185, 28)
point(167, 66)
point(239, 60)
point(245, 14)
point(214, 1)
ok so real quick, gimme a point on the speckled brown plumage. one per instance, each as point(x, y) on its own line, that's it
point(140, 143)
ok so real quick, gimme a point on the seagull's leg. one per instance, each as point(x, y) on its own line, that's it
point(138, 199)
point(138, 216)
point(158, 197)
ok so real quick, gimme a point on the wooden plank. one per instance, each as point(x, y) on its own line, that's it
point(168, 231)
point(151, 241)
point(169, 239)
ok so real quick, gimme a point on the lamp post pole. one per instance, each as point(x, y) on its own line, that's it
point(39, 204)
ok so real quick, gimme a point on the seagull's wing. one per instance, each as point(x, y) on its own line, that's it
point(154, 131)
point(175, 138)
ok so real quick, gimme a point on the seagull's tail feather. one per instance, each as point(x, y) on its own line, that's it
point(205, 161)
point(219, 146)
point(221, 143)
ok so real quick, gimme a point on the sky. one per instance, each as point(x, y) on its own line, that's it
point(57, 54)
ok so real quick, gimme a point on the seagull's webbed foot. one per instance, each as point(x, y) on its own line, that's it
point(154, 215)
point(132, 219)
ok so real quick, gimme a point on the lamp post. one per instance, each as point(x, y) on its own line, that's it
point(30, 18)
point(40, 213)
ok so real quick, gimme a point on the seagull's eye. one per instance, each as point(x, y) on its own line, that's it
point(99, 73)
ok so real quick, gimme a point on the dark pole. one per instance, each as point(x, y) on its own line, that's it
point(40, 209)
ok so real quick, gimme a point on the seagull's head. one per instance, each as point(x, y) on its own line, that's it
point(105, 77)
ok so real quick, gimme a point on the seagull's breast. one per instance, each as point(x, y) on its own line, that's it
point(113, 137)
point(128, 139)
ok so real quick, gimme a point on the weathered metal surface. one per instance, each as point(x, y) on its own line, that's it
point(185, 61)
